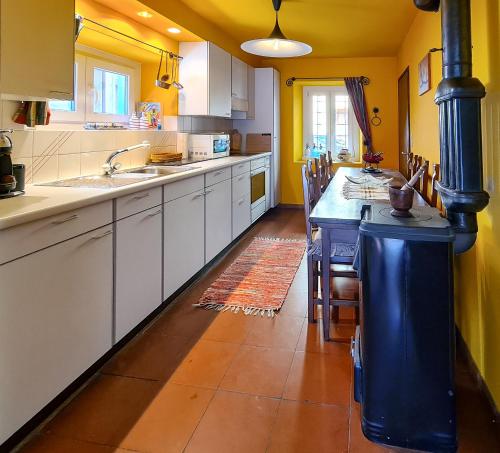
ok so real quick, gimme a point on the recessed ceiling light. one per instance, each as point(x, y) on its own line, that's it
point(173, 30)
point(145, 14)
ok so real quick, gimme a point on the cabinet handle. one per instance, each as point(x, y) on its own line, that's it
point(154, 213)
point(241, 177)
point(198, 195)
point(67, 219)
point(208, 191)
point(241, 201)
point(140, 197)
point(61, 92)
point(217, 173)
point(106, 233)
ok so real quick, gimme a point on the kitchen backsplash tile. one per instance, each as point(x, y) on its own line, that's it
point(51, 154)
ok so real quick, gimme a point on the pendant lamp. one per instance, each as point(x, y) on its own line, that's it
point(277, 45)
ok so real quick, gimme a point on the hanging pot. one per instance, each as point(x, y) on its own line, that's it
point(163, 81)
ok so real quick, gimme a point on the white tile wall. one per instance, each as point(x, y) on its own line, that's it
point(59, 154)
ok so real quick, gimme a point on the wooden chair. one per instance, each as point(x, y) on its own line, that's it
point(409, 166)
point(315, 187)
point(323, 172)
point(433, 201)
point(329, 161)
point(424, 183)
point(341, 254)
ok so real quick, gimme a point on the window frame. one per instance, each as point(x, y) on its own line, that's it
point(86, 59)
point(354, 132)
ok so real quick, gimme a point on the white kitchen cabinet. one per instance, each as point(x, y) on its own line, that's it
point(239, 85)
point(217, 218)
point(241, 214)
point(184, 240)
point(138, 275)
point(37, 49)
point(55, 322)
point(205, 73)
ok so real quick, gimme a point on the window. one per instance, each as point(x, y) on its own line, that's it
point(104, 92)
point(329, 122)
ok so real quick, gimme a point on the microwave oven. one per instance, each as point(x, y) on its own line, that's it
point(208, 146)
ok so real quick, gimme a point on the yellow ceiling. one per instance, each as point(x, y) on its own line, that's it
point(334, 28)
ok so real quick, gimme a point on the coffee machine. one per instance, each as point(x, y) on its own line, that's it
point(8, 181)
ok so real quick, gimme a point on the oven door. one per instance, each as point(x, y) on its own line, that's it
point(258, 186)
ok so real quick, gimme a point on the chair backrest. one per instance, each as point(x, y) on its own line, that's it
point(306, 183)
point(323, 172)
point(434, 180)
point(314, 183)
point(409, 162)
point(416, 167)
point(424, 183)
point(329, 161)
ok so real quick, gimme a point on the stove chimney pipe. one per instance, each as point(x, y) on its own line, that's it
point(459, 99)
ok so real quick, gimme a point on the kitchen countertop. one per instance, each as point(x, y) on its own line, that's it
point(43, 201)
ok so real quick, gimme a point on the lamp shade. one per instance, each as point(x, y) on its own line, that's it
point(276, 47)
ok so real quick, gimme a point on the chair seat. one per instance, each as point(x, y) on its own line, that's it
point(341, 253)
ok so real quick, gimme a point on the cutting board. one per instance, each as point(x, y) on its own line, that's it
point(258, 143)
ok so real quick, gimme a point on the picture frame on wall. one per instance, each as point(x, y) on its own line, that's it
point(424, 75)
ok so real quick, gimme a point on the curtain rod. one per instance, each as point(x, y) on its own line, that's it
point(291, 80)
point(159, 49)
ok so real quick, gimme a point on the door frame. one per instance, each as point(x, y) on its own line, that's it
point(405, 72)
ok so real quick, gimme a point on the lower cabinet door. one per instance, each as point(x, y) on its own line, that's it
point(184, 240)
point(138, 276)
point(55, 322)
point(241, 215)
point(218, 218)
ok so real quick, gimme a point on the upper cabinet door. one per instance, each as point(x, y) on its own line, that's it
point(37, 49)
point(219, 82)
point(239, 82)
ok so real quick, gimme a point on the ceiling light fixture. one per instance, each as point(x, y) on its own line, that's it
point(145, 14)
point(277, 44)
point(173, 30)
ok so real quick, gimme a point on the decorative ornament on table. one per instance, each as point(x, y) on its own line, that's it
point(371, 160)
point(344, 155)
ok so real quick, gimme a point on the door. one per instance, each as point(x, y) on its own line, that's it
point(218, 218)
point(184, 240)
point(138, 274)
point(219, 82)
point(404, 120)
point(55, 322)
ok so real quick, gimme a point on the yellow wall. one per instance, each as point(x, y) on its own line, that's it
point(477, 279)
point(381, 92)
point(149, 60)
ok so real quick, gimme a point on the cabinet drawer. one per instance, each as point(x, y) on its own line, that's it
point(137, 202)
point(216, 176)
point(30, 237)
point(184, 187)
point(258, 210)
point(241, 186)
point(241, 215)
point(239, 169)
point(260, 162)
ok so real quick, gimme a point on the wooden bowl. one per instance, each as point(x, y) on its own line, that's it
point(401, 201)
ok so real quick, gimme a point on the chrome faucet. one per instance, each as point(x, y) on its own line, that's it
point(110, 168)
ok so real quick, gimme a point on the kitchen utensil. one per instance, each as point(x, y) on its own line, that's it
point(401, 201)
point(162, 82)
point(176, 82)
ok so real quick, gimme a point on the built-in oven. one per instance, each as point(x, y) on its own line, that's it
point(259, 188)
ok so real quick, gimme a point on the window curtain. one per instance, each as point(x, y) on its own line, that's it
point(355, 89)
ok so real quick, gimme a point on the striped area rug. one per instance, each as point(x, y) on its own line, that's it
point(257, 282)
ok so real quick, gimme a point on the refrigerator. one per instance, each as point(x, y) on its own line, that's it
point(266, 121)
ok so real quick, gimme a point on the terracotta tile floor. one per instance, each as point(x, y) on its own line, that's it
point(200, 381)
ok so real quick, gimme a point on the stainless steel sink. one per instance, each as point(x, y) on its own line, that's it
point(118, 179)
point(159, 171)
point(100, 181)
